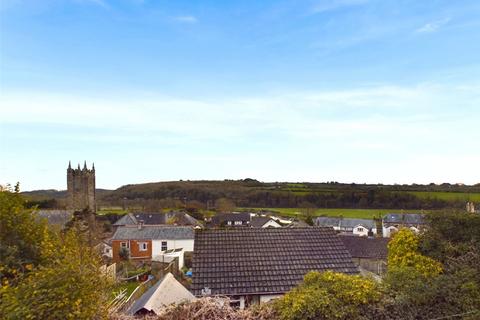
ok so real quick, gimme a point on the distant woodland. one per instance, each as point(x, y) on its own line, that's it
point(255, 194)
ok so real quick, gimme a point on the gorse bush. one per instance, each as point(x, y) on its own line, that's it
point(328, 295)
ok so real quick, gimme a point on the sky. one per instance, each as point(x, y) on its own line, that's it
point(364, 91)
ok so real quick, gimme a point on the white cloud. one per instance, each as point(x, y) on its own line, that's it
point(433, 26)
point(186, 19)
point(384, 134)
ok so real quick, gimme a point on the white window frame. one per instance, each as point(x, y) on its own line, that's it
point(166, 245)
point(238, 223)
point(143, 246)
point(125, 244)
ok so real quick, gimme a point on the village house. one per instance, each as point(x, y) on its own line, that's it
point(264, 222)
point(252, 265)
point(369, 254)
point(104, 248)
point(359, 227)
point(157, 219)
point(392, 222)
point(145, 243)
point(230, 220)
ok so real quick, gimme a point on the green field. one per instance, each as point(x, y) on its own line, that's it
point(111, 211)
point(447, 196)
point(346, 213)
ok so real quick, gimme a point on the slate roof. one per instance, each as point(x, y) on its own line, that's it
point(350, 223)
point(264, 260)
point(327, 221)
point(344, 223)
point(154, 233)
point(258, 222)
point(369, 248)
point(55, 217)
point(147, 218)
point(221, 218)
point(132, 219)
point(404, 218)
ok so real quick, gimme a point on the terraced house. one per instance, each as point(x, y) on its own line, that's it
point(150, 242)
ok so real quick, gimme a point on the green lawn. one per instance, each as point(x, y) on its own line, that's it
point(130, 286)
point(346, 213)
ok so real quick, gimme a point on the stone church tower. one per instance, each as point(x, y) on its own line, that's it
point(81, 188)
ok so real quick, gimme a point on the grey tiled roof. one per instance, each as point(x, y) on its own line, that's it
point(126, 220)
point(258, 222)
point(327, 221)
point(370, 248)
point(348, 223)
point(147, 218)
point(352, 223)
point(404, 218)
point(154, 233)
point(55, 217)
point(221, 218)
point(261, 261)
point(181, 218)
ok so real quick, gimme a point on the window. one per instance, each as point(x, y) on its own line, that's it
point(229, 223)
point(142, 246)
point(238, 223)
point(360, 229)
point(164, 246)
point(124, 245)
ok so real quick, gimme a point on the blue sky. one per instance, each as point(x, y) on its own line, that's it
point(372, 91)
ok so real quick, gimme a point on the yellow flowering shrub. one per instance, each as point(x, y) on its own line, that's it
point(328, 295)
point(403, 252)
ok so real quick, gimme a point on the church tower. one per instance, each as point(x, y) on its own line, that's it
point(81, 188)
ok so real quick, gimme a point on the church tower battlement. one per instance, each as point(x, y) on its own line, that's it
point(81, 188)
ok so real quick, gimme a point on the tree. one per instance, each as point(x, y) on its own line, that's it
point(328, 295)
point(124, 254)
point(403, 252)
point(224, 205)
point(21, 237)
point(308, 211)
point(46, 274)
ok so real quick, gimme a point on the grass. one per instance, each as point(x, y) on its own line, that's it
point(129, 286)
point(111, 211)
point(346, 213)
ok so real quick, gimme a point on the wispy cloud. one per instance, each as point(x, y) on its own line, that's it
point(433, 26)
point(186, 19)
point(322, 130)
